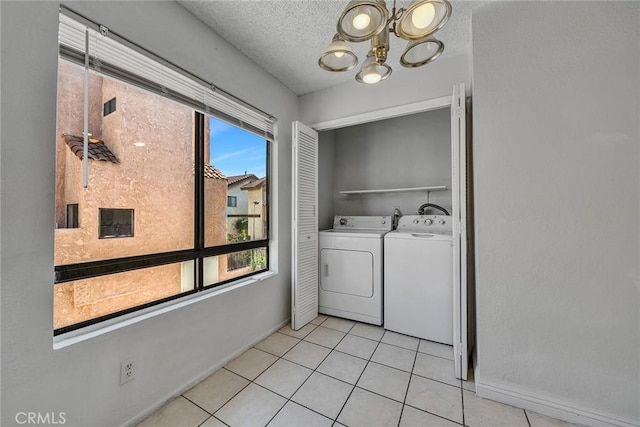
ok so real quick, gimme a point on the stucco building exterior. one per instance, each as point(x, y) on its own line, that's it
point(149, 175)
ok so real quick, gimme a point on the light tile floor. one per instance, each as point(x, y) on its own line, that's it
point(336, 372)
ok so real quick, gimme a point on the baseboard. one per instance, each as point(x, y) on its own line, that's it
point(177, 392)
point(546, 405)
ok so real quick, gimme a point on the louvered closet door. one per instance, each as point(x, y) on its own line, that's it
point(304, 297)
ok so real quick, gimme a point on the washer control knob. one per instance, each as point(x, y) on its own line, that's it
point(428, 221)
point(441, 222)
point(415, 221)
point(343, 221)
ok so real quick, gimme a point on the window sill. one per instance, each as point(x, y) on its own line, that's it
point(93, 331)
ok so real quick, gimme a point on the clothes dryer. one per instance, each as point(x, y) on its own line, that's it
point(351, 261)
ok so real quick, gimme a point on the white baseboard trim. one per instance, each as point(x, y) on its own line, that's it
point(177, 392)
point(546, 405)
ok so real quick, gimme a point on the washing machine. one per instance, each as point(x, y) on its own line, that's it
point(350, 269)
point(418, 278)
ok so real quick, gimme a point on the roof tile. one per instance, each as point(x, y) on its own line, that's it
point(237, 178)
point(212, 172)
point(255, 184)
point(97, 148)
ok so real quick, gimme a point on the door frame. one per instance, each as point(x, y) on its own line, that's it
point(385, 113)
point(403, 110)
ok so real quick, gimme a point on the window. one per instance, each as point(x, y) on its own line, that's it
point(116, 223)
point(164, 173)
point(155, 180)
point(109, 107)
point(242, 158)
point(72, 215)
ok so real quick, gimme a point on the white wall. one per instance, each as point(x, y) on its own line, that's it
point(408, 151)
point(404, 86)
point(172, 350)
point(556, 160)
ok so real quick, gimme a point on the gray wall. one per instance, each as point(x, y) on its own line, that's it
point(408, 151)
point(556, 158)
point(326, 165)
point(405, 86)
point(173, 349)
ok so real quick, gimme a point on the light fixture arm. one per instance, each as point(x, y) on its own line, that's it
point(396, 14)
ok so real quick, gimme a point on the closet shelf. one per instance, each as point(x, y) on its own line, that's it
point(396, 190)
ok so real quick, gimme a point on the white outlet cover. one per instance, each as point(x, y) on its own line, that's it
point(127, 371)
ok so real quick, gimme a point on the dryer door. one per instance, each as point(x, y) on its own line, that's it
point(347, 272)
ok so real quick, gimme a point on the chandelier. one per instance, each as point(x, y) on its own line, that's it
point(364, 20)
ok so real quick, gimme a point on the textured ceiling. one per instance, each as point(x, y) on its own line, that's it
point(286, 37)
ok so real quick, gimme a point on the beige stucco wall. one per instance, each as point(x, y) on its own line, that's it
point(90, 298)
point(70, 115)
point(257, 206)
point(155, 180)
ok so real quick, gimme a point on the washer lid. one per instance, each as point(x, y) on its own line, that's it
point(418, 235)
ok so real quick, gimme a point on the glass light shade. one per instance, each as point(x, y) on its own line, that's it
point(421, 52)
point(422, 18)
point(362, 19)
point(372, 72)
point(338, 56)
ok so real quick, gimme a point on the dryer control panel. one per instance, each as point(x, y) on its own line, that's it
point(437, 224)
point(382, 223)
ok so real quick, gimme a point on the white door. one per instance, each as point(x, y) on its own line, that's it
point(459, 190)
point(304, 277)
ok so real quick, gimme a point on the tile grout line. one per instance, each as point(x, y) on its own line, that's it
point(285, 403)
point(379, 341)
point(228, 400)
point(438, 381)
point(411, 374)
point(335, 420)
point(250, 380)
point(406, 392)
point(360, 376)
point(369, 361)
point(331, 349)
point(217, 419)
point(435, 355)
point(312, 372)
point(196, 405)
point(281, 358)
point(361, 373)
point(526, 416)
point(434, 414)
point(241, 390)
point(462, 403)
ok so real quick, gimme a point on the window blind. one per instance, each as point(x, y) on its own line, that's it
point(116, 57)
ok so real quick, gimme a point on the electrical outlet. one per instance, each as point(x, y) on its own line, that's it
point(127, 371)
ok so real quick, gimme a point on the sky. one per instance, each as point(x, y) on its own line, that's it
point(234, 150)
